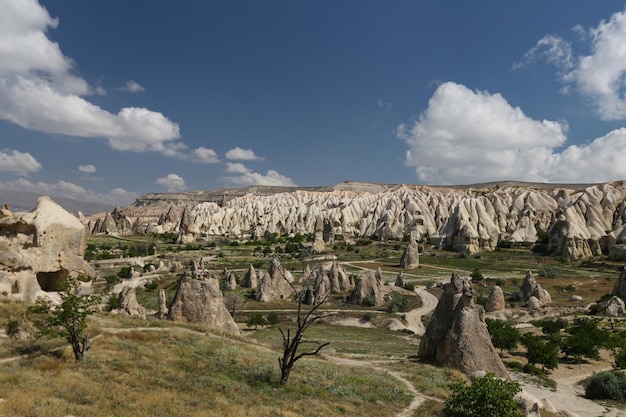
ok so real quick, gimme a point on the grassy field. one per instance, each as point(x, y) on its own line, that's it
point(183, 373)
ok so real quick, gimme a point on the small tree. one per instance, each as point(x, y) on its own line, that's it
point(541, 351)
point(503, 334)
point(293, 341)
point(487, 396)
point(256, 320)
point(585, 341)
point(233, 303)
point(69, 319)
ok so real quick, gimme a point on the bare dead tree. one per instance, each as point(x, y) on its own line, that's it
point(292, 341)
point(233, 303)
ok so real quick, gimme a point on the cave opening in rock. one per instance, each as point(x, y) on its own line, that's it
point(51, 281)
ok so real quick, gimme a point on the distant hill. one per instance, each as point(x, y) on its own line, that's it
point(26, 201)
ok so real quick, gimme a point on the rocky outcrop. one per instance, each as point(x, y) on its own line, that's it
point(579, 220)
point(249, 278)
point(410, 258)
point(458, 336)
point(619, 288)
point(39, 250)
point(163, 310)
point(201, 301)
point(128, 304)
point(368, 290)
point(441, 319)
point(231, 281)
point(400, 282)
point(275, 284)
point(615, 307)
point(496, 300)
point(531, 288)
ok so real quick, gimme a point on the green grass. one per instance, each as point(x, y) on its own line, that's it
point(347, 340)
point(178, 373)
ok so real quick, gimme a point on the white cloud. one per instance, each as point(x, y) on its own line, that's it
point(236, 168)
point(172, 182)
point(469, 136)
point(383, 105)
point(253, 178)
point(132, 87)
point(87, 169)
point(599, 76)
point(117, 196)
point(39, 91)
point(242, 154)
point(553, 49)
point(16, 161)
point(204, 156)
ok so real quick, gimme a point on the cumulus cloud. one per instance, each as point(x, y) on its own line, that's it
point(254, 178)
point(600, 75)
point(204, 155)
point(471, 136)
point(172, 183)
point(236, 168)
point(16, 161)
point(87, 169)
point(39, 91)
point(132, 87)
point(242, 154)
point(116, 197)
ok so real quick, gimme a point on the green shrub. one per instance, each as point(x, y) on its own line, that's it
point(273, 318)
point(547, 271)
point(476, 275)
point(409, 286)
point(606, 386)
point(13, 328)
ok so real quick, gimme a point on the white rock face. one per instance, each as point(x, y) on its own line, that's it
point(39, 250)
point(579, 221)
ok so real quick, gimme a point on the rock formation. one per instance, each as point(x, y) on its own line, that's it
point(615, 307)
point(410, 258)
point(400, 280)
point(579, 220)
point(128, 304)
point(163, 310)
point(39, 250)
point(458, 336)
point(231, 281)
point(531, 288)
point(201, 301)
point(368, 290)
point(249, 278)
point(619, 289)
point(496, 301)
point(441, 319)
point(275, 284)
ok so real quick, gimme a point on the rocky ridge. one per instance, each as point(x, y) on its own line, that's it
point(573, 220)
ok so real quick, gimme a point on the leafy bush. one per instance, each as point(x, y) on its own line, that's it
point(125, 272)
point(13, 328)
point(606, 386)
point(273, 318)
point(547, 271)
point(402, 303)
point(409, 286)
point(476, 275)
point(487, 396)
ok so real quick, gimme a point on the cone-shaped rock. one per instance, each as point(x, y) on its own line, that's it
point(249, 278)
point(467, 345)
point(410, 258)
point(128, 304)
point(201, 301)
point(615, 307)
point(368, 289)
point(496, 301)
point(162, 313)
point(619, 289)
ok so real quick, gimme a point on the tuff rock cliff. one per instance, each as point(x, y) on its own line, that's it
point(574, 220)
point(39, 250)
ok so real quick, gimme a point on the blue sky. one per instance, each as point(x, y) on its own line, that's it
point(108, 100)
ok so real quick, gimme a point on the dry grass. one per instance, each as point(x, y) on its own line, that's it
point(181, 373)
